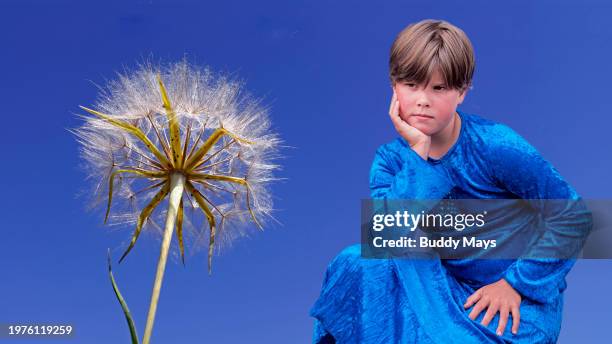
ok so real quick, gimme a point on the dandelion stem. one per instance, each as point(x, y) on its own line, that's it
point(177, 183)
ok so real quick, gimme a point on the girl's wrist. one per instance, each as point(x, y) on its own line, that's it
point(422, 149)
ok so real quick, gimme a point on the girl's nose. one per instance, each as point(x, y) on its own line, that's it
point(422, 100)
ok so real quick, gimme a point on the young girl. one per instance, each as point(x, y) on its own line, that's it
point(445, 153)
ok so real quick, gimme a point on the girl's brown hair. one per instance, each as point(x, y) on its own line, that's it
point(429, 44)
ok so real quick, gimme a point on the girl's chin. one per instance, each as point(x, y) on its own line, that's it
point(422, 127)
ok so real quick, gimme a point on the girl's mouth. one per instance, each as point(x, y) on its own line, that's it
point(422, 116)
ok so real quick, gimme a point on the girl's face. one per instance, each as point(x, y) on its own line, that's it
point(429, 108)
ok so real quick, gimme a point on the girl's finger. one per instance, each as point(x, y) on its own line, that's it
point(477, 309)
point(394, 106)
point(503, 320)
point(491, 311)
point(516, 319)
point(472, 299)
point(395, 118)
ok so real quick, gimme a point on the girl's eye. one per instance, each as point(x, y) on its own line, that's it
point(409, 84)
point(439, 88)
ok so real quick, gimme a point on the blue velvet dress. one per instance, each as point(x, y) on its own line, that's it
point(421, 301)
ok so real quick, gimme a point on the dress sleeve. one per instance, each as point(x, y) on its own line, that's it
point(519, 168)
point(398, 172)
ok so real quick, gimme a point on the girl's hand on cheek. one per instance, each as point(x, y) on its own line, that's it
point(496, 297)
point(418, 141)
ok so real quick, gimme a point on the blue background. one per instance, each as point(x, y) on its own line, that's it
point(543, 67)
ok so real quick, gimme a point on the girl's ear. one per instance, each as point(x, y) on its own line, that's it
point(462, 96)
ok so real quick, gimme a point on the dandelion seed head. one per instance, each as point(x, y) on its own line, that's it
point(202, 103)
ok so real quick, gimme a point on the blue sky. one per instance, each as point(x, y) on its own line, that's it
point(542, 68)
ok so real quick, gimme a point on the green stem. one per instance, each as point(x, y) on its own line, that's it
point(177, 183)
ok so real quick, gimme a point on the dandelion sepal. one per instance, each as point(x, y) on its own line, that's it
point(175, 133)
point(145, 214)
point(149, 174)
point(132, 130)
point(162, 141)
point(211, 221)
point(179, 230)
point(212, 139)
point(187, 137)
point(241, 181)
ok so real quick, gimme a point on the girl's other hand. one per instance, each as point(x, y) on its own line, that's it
point(418, 141)
point(496, 297)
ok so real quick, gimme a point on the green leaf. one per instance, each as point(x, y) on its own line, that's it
point(126, 311)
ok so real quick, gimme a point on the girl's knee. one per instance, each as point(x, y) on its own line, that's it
point(350, 252)
point(348, 259)
point(350, 256)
